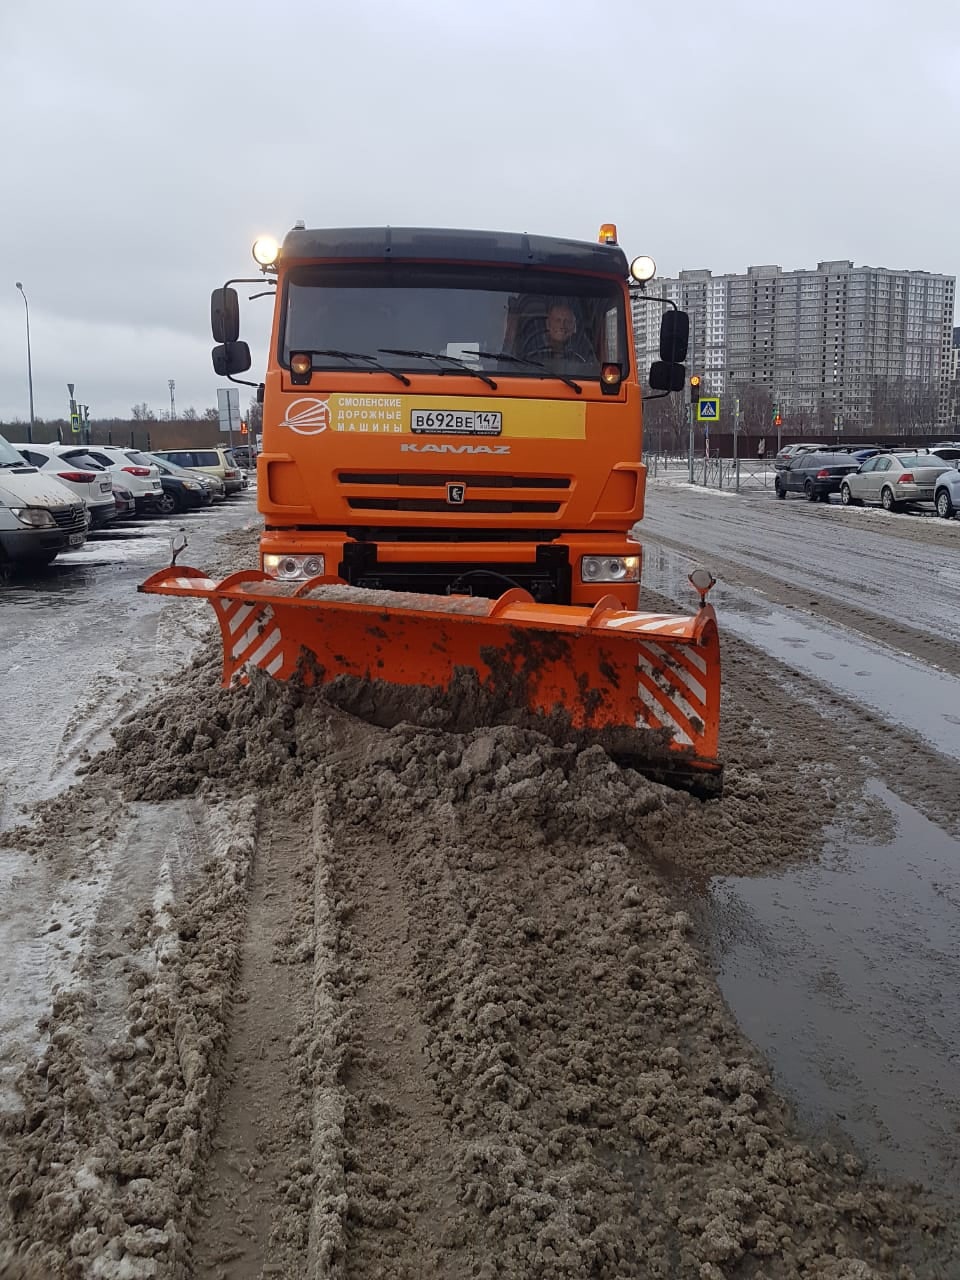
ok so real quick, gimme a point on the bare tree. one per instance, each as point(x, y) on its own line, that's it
point(756, 408)
point(903, 405)
point(665, 424)
point(142, 413)
point(255, 417)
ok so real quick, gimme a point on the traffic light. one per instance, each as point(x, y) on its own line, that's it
point(694, 388)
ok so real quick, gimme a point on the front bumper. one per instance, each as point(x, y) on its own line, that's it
point(102, 513)
point(550, 572)
point(23, 545)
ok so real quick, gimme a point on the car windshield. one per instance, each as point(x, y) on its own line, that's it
point(165, 466)
point(9, 457)
point(568, 324)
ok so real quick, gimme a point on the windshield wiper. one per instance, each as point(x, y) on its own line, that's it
point(361, 355)
point(430, 355)
point(22, 463)
point(531, 364)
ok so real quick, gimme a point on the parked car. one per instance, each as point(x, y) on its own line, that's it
point(948, 452)
point(790, 451)
point(946, 493)
point(39, 516)
point(893, 480)
point(216, 462)
point(814, 474)
point(859, 453)
point(126, 503)
point(212, 485)
point(183, 490)
point(92, 484)
point(128, 467)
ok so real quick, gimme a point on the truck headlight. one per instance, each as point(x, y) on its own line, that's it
point(35, 517)
point(610, 569)
point(294, 568)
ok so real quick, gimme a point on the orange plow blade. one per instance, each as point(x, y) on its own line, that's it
point(646, 686)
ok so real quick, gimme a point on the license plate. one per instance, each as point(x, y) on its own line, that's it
point(106, 486)
point(456, 422)
point(77, 539)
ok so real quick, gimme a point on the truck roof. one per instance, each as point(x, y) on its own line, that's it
point(420, 243)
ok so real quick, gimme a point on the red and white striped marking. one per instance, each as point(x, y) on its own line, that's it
point(671, 686)
point(251, 636)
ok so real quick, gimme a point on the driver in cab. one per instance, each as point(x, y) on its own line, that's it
point(560, 344)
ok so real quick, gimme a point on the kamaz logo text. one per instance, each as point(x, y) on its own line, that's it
point(500, 449)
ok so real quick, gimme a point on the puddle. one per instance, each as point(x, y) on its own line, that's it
point(908, 693)
point(847, 976)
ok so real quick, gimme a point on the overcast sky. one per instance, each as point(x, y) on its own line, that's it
point(146, 145)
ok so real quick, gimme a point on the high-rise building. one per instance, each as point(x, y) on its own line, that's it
point(842, 346)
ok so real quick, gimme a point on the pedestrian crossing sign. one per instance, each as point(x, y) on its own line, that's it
point(708, 409)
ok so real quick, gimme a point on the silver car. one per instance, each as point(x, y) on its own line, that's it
point(946, 495)
point(893, 480)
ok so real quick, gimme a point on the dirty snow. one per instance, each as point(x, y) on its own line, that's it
point(350, 1001)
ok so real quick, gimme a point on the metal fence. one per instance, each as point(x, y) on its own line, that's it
point(738, 474)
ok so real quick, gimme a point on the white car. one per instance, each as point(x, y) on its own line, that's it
point(39, 516)
point(93, 484)
point(129, 467)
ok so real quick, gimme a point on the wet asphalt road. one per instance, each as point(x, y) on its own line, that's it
point(845, 972)
point(79, 647)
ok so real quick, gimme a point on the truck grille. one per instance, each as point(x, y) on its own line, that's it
point(484, 506)
point(474, 480)
point(72, 519)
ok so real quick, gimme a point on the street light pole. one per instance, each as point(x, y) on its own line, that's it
point(29, 363)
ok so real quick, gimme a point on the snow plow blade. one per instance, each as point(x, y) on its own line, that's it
point(645, 686)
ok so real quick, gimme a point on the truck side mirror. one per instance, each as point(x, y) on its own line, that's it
point(225, 315)
point(666, 375)
point(674, 337)
point(231, 357)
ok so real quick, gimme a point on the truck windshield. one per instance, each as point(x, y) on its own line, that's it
point(568, 324)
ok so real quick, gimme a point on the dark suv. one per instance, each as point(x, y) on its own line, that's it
point(816, 475)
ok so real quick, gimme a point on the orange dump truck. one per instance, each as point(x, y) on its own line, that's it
point(452, 430)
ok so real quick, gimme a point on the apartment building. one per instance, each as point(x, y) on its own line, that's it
point(845, 346)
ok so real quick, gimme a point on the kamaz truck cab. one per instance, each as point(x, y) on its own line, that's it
point(451, 412)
